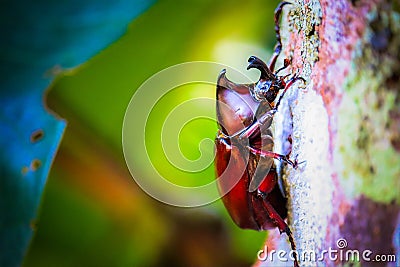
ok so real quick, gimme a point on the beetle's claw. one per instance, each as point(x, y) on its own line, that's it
point(297, 77)
point(289, 161)
point(301, 78)
point(302, 162)
point(285, 230)
point(295, 164)
point(286, 62)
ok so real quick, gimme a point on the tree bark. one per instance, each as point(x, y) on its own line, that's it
point(344, 124)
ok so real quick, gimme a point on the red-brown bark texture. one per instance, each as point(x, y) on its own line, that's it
point(344, 124)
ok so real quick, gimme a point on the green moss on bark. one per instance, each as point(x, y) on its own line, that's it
point(370, 161)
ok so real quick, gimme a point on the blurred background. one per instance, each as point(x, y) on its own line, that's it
point(92, 212)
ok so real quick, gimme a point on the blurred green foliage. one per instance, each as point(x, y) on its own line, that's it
point(93, 213)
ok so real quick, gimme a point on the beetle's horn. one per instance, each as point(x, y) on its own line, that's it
point(222, 80)
point(235, 106)
point(255, 62)
point(224, 83)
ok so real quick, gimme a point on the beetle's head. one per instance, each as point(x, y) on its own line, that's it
point(268, 86)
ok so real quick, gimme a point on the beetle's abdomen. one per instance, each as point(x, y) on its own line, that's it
point(232, 183)
point(245, 208)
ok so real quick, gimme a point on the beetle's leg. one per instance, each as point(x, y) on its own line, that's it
point(287, 86)
point(278, 46)
point(248, 131)
point(281, 224)
point(286, 63)
point(270, 154)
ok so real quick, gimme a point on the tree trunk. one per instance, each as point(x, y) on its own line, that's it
point(344, 199)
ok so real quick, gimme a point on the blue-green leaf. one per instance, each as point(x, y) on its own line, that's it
point(28, 141)
point(36, 37)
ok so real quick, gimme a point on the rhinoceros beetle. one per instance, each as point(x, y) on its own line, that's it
point(244, 145)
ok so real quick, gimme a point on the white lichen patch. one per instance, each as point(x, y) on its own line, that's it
point(310, 186)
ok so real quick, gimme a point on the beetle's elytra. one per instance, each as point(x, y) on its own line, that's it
point(244, 145)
